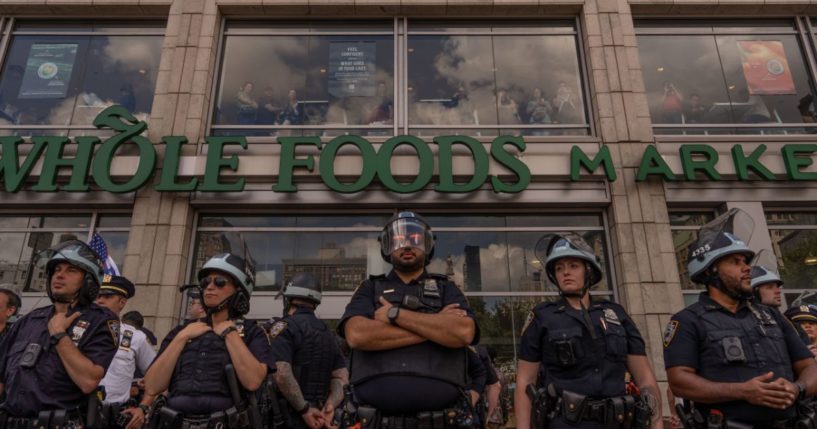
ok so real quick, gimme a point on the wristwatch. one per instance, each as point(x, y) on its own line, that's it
point(145, 409)
point(802, 393)
point(57, 337)
point(392, 315)
point(227, 331)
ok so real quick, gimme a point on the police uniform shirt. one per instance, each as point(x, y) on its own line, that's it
point(692, 341)
point(398, 393)
point(477, 373)
point(199, 382)
point(492, 376)
point(134, 353)
point(287, 338)
point(47, 385)
point(556, 336)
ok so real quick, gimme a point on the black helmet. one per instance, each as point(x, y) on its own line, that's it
point(406, 229)
point(81, 256)
point(243, 277)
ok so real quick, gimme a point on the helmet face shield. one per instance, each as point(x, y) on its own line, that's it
point(553, 247)
point(725, 235)
point(404, 233)
point(75, 253)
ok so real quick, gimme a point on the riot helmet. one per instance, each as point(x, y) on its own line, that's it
point(719, 238)
point(81, 256)
point(243, 276)
point(406, 229)
point(763, 275)
point(302, 286)
point(553, 247)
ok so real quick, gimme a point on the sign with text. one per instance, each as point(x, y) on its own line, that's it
point(352, 69)
point(48, 70)
point(765, 67)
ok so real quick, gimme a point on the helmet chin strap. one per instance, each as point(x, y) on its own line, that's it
point(580, 295)
point(221, 306)
point(716, 282)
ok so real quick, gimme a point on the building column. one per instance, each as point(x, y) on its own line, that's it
point(643, 253)
point(162, 224)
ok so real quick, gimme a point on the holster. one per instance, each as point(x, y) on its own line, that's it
point(167, 418)
point(616, 412)
point(806, 415)
point(573, 406)
point(368, 417)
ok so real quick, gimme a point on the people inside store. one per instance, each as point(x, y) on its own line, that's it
point(209, 367)
point(581, 347)
point(409, 331)
point(539, 109)
point(694, 110)
point(507, 109)
point(54, 357)
point(246, 104)
point(311, 371)
point(566, 105)
point(733, 360)
point(267, 108)
point(293, 112)
point(134, 353)
point(382, 111)
point(804, 317)
point(671, 104)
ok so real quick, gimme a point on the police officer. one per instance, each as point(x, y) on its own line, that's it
point(55, 356)
point(805, 318)
point(9, 307)
point(585, 346)
point(195, 310)
point(194, 361)
point(134, 353)
point(727, 353)
point(487, 393)
point(408, 332)
point(311, 371)
point(766, 286)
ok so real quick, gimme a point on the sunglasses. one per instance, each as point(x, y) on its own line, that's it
point(220, 282)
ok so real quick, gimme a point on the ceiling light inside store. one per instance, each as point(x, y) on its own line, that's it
point(410, 50)
point(323, 71)
point(660, 69)
point(731, 87)
point(810, 260)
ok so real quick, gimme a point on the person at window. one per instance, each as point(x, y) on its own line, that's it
point(383, 112)
point(247, 105)
point(127, 98)
point(695, 111)
point(55, 356)
point(135, 353)
point(671, 105)
point(293, 112)
point(311, 371)
point(267, 110)
point(566, 106)
point(197, 360)
point(507, 109)
point(585, 346)
point(458, 109)
point(736, 360)
point(539, 108)
point(9, 307)
point(757, 111)
point(409, 331)
point(805, 107)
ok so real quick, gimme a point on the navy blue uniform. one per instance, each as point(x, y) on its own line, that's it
point(199, 382)
point(397, 393)
point(703, 337)
point(46, 385)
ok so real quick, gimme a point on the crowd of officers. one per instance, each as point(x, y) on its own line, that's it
point(415, 362)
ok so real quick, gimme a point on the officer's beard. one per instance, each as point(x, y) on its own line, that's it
point(409, 266)
point(734, 288)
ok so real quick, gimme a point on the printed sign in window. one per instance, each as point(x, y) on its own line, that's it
point(765, 67)
point(352, 69)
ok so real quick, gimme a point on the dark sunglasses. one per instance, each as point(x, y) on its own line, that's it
point(220, 282)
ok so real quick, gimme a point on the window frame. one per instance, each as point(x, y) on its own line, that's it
point(803, 227)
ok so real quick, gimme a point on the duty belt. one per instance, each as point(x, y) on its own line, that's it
point(451, 418)
point(63, 419)
point(624, 412)
point(228, 419)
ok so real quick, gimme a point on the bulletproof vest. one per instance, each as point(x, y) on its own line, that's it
point(200, 368)
point(427, 359)
point(738, 348)
point(312, 363)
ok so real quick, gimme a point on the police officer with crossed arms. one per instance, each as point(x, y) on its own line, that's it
point(193, 360)
point(311, 370)
point(585, 346)
point(55, 356)
point(735, 359)
point(408, 331)
point(134, 353)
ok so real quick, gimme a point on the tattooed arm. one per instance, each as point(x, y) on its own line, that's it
point(644, 378)
point(288, 385)
point(340, 378)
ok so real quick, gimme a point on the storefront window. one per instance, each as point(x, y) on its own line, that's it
point(726, 77)
point(684, 227)
point(514, 78)
point(23, 237)
point(58, 74)
point(794, 241)
point(311, 79)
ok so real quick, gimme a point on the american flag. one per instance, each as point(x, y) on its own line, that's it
point(98, 245)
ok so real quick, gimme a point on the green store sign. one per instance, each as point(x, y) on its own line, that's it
point(93, 160)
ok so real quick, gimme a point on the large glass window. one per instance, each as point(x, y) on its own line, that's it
point(794, 241)
point(23, 237)
point(58, 76)
point(427, 78)
point(745, 77)
point(684, 226)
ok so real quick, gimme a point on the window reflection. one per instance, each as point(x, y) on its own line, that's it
point(299, 80)
point(744, 80)
point(796, 252)
point(69, 79)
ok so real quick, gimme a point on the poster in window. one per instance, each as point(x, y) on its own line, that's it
point(48, 70)
point(765, 67)
point(352, 69)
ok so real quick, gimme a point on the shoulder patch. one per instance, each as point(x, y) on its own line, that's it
point(127, 336)
point(78, 331)
point(669, 332)
point(113, 328)
point(528, 321)
point(277, 328)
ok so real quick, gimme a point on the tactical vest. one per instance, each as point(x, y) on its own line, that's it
point(732, 344)
point(312, 363)
point(200, 367)
point(427, 359)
